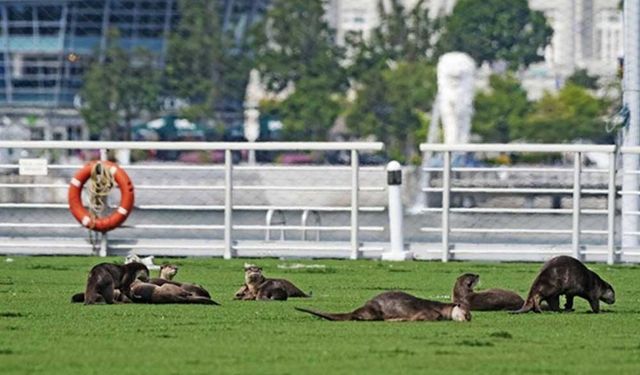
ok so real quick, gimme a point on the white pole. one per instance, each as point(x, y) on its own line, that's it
point(355, 187)
point(396, 238)
point(446, 191)
point(631, 96)
point(228, 204)
point(575, 231)
point(611, 210)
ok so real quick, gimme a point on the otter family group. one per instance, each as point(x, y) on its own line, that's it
point(562, 275)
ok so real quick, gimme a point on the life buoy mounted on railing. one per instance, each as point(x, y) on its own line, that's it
point(86, 218)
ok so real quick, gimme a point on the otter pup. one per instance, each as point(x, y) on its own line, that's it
point(487, 300)
point(143, 292)
point(168, 272)
point(568, 276)
point(258, 287)
point(105, 278)
point(400, 306)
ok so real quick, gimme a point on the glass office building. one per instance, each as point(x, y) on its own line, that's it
point(45, 44)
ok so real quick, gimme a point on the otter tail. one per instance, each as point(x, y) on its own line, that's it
point(77, 298)
point(527, 306)
point(202, 301)
point(328, 316)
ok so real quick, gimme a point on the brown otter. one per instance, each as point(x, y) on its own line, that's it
point(105, 278)
point(487, 300)
point(117, 297)
point(258, 287)
point(568, 276)
point(400, 306)
point(143, 292)
point(168, 272)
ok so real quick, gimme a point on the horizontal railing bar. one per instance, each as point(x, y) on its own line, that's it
point(500, 230)
point(172, 226)
point(38, 225)
point(515, 147)
point(514, 169)
point(312, 228)
point(306, 188)
point(235, 146)
point(44, 244)
point(206, 208)
point(282, 245)
point(310, 168)
point(517, 210)
point(173, 245)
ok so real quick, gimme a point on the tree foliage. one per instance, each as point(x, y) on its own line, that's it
point(581, 77)
point(496, 30)
point(294, 45)
point(119, 88)
point(401, 35)
point(294, 42)
point(571, 114)
point(390, 106)
point(501, 109)
point(194, 57)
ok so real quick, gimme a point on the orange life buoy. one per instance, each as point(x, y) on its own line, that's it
point(119, 215)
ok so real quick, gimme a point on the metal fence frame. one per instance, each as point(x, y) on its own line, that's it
point(229, 246)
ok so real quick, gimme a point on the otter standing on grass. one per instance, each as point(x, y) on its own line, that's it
point(168, 272)
point(400, 306)
point(487, 300)
point(105, 278)
point(568, 276)
point(258, 287)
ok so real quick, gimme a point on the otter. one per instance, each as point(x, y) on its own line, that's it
point(105, 278)
point(118, 296)
point(568, 276)
point(144, 292)
point(400, 306)
point(258, 287)
point(487, 300)
point(168, 272)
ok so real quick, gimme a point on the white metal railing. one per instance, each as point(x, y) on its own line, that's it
point(576, 191)
point(228, 186)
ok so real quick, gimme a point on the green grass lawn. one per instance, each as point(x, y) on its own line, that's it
point(41, 332)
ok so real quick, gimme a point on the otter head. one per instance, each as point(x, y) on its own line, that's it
point(467, 282)
point(609, 295)
point(137, 270)
point(253, 274)
point(460, 313)
point(168, 271)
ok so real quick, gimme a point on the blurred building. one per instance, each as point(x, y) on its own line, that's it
point(46, 46)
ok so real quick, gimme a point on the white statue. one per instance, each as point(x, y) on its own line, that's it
point(456, 79)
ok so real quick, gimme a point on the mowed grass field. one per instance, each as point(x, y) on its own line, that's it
point(41, 332)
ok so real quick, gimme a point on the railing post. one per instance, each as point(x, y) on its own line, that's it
point(611, 210)
point(104, 244)
point(446, 195)
point(396, 231)
point(355, 186)
point(228, 204)
point(575, 230)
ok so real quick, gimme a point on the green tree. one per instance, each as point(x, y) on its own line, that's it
point(390, 105)
point(496, 30)
point(119, 88)
point(571, 114)
point(195, 58)
point(581, 77)
point(500, 110)
point(293, 44)
point(308, 113)
point(401, 35)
